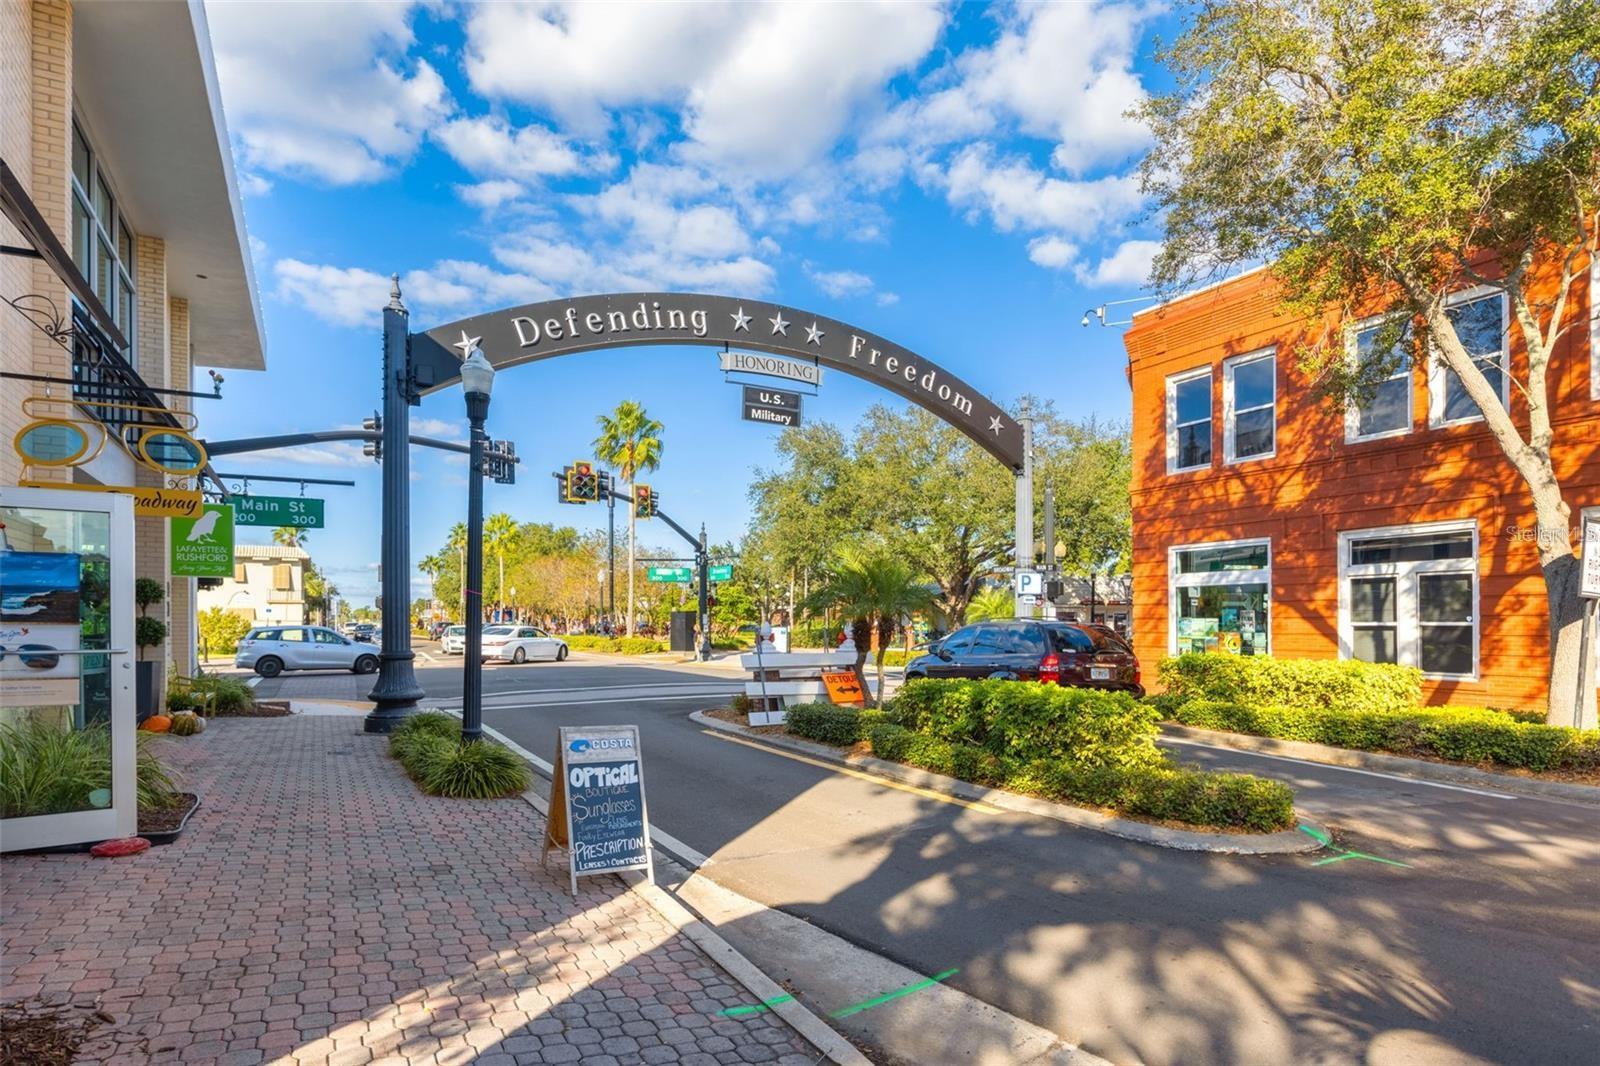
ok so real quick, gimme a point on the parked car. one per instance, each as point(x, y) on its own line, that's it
point(454, 641)
point(270, 650)
point(519, 643)
point(360, 631)
point(1062, 653)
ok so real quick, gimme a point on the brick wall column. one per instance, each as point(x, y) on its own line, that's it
point(181, 590)
point(153, 330)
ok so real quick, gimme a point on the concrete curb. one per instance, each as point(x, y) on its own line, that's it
point(813, 1029)
point(1442, 773)
point(1289, 842)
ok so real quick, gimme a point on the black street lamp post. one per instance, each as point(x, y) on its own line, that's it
point(477, 381)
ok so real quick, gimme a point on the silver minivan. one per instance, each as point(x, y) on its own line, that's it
point(270, 650)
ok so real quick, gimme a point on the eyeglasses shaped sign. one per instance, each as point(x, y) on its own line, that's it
point(40, 605)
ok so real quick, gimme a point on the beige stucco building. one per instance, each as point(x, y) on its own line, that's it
point(113, 141)
point(268, 585)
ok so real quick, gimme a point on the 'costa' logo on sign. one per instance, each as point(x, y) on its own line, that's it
point(578, 747)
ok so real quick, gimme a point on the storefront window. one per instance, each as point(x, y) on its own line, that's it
point(1410, 596)
point(1221, 598)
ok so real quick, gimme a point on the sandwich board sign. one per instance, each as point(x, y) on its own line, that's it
point(597, 808)
point(1589, 584)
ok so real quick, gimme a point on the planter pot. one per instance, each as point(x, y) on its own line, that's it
point(167, 836)
point(145, 689)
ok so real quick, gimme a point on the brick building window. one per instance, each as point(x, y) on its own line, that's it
point(1409, 595)
point(1249, 406)
point(1387, 412)
point(1220, 596)
point(1479, 316)
point(1189, 420)
point(102, 243)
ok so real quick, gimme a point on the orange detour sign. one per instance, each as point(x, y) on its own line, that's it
point(843, 687)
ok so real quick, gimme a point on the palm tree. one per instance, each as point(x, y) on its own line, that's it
point(457, 542)
point(289, 536)
point(629, 442)
point(499, 533)
point(991, 603)
point(875, 590)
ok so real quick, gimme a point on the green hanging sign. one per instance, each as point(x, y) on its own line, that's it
point(203, 546)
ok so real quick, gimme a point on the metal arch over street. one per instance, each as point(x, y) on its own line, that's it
point(590, 323)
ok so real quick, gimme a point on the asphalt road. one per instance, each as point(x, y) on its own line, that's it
point(1484, 946)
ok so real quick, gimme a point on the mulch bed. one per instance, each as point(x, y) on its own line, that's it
point(261, 709)
point(166, 819)
point(34, 1034)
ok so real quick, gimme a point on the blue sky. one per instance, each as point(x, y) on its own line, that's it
point(957, 178)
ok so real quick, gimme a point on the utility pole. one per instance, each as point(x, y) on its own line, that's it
point(1024, 526)
point(611, 552)
point(702, 560)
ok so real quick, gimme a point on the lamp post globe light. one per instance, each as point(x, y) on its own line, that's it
point(477, 382)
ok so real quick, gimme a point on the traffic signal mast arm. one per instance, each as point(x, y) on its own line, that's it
point(623, 497)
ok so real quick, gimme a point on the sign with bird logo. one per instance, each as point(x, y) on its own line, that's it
point(203, 546)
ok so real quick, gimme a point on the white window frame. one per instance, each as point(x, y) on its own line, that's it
point(1352, 411)
point(1594, 328)
point(105, 231)
point(1438, 371)
point(1175, 581)
point(1408, 630)
point(1173, 381)
point(1230, 411)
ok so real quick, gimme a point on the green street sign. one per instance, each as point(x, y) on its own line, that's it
point(720, 573)
point(277, 511)
point(203, 546)
point(671, 574)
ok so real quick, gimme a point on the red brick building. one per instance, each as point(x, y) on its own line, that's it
point(1267, 521)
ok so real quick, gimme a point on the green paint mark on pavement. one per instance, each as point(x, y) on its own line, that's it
point(754, 1008)
point(1326, 841)
point(878, 1001)
point(1316, 834)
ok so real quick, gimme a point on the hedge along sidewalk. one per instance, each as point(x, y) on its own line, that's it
point(1444, 773)
point(1287, 842)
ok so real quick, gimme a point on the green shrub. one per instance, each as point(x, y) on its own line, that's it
point(1332, 684)
point(443, 766)
point(739, 704)
point(45, 769)
point(640, 646)
point(180, 698)
point(591, 642)
point(1459, 734)
point(1026, 721)
point(1159, 792)
point(824, 722)
point(222, 630)
point(218, 695)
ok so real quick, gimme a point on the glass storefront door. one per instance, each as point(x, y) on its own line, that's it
point(66, 668)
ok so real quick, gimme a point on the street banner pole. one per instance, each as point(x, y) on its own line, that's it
point(397, 692)
point(1024, 528)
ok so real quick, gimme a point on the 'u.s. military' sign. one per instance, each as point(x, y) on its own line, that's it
point(588, 323)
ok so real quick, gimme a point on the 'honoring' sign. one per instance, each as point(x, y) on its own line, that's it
point(597, 808)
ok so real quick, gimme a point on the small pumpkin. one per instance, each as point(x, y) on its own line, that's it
point(156, 723)
point(186, 724)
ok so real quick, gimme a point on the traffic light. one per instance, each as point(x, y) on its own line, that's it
point(373, 449)
point(644, 501)
point(582, 485)
point(562, 493)
point(602, 480)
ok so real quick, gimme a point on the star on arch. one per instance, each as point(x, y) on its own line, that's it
point(994, 423)
point(778, 324)
point(466, 344)
point(813, 334)
point(740, 320)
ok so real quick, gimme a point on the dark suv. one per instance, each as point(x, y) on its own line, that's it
point(1062, 653)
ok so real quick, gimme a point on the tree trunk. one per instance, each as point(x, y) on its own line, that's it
point(633, 517)
point(1566, 705)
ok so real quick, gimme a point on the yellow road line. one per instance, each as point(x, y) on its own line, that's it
point(981, 808)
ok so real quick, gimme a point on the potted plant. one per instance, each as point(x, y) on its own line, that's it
point(147, 633)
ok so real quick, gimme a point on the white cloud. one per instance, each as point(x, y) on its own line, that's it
point(333, 454)
point(1128, 265)
point(488, 145)
point(887, 299)
point(764, 89)
point(1052, 252)
point(442, 428)
point(490, 194)
point(323, 90)
point(456, 284)
point(839, 283)
point(1019, 196)
point(254, 184)
point(344, 296)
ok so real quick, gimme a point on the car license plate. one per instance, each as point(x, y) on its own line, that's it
point(1099, 673)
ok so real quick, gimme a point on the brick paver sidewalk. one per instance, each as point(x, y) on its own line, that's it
point(320, 909)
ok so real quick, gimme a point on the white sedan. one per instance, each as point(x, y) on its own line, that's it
point(518, 644)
